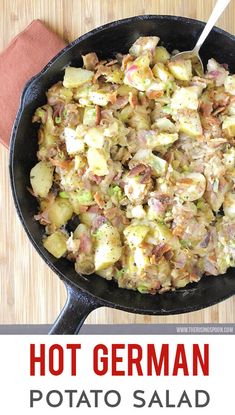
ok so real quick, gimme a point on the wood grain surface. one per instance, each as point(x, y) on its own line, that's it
point(29, 291)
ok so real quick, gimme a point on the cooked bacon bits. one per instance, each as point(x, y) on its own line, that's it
point(98, 114)
point(139, 153)
point(159, 250)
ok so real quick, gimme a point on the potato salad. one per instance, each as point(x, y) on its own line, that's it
point(136, 168)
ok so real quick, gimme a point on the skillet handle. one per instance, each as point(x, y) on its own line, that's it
point(77, 307)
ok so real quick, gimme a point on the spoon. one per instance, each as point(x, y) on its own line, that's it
point(194, 54)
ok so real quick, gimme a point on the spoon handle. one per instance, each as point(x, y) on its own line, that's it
point(217, 11)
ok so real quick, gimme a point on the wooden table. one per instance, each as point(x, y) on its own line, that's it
point(29, 291)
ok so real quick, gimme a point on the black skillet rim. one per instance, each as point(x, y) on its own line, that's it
point(99, 300)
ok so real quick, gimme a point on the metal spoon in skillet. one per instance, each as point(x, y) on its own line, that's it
point(194, 53)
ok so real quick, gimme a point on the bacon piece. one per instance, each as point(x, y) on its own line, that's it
point(112, 62)
point(95, 178)
point(154, 94)
point(58, 109)
point(143, 171)
point(82, 208)
point(42, 217)
point(120, 102)
point(85, 244)
point(112, 97)
point(133, 99)
point(63, 164)
point(159, 250)
point(116, 216)
point(159, 202)
point(205, 242)
point(90, 60)
point(146, 176)
point(98, 115)
point(185, 181)
point(125, 60)
point(135, 171)
point(206, 108)
point(101, 70)
point(94, 209)
point(98, 221)
point(99, 200)
point(178, 230)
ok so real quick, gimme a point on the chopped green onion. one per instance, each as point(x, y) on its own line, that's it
point(120, 272)
point(58, 120)
point(116, 191)
point(200, 204)
point(184, 243)
point(64, 195)
point(167, 109)
point(143, 289)
point(83, 196)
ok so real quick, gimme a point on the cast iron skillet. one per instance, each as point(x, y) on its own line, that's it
point(87, 293)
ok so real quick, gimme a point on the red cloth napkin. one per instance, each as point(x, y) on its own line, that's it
point(25, 56)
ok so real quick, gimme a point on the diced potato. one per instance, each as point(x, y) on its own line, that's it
point(56, 244)
point(113, 129)
point(131, 264)
point(229, 84)
point(99, 97)
point(191, 186)
point(97, 161)
point(141, 259)
point(73, 143)
point(95, 137)
point(135, 234)
point(123, 90)
point(144, 44)
point(138, 74)
point(134, 190)
point(74, 77)
point(85, 264)
point(229, 159)
point(49, 140)
point(164, 139)
point(138, 212)
point(140, 119)
point(155, 89)
point(89, 116)
point(108, 249)
point(181, 282)
point(228, 126)
point(60, 212)
point(161, 55)
point(190, 123)
point(163, 234)
point(231, 108)
point(81, 94)
point(87, 218)
point(229, 205)
point(41, 177)
point(115, 76)
point(158, 165)
point(161, 72)
point(80, 230)
point(106, 273)
point(185, 98)
point(79, 162)
point(181, 69)
point(164, 124)
point(126, 113)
